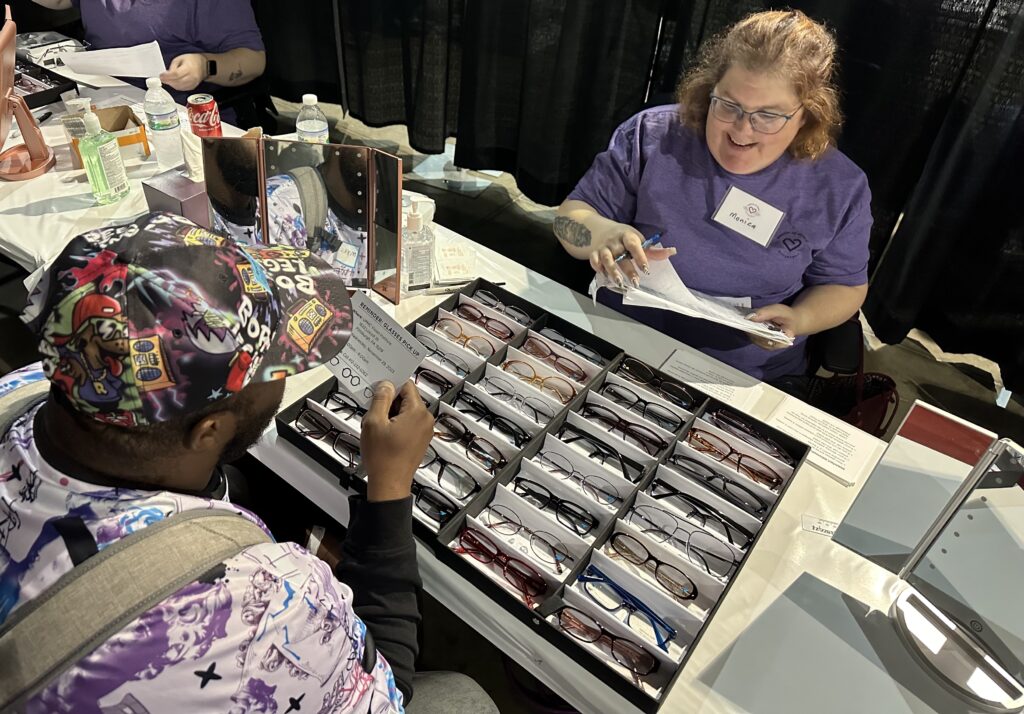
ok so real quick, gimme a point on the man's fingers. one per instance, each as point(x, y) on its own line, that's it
point(383, 395)
point(634, 246)
point(410, 398)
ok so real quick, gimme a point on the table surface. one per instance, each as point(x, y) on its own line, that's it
point(803, 629)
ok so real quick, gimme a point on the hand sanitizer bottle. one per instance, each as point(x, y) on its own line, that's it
point(102, 160)
point(417, 254)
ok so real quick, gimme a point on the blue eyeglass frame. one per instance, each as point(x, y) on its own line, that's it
point(632, 604)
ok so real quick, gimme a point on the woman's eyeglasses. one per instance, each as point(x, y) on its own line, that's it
point(639, 616)
point(519, 574)
point(503, 390)
point(675, 582)
point(763, 122)
point(584, 628)
point(732, 491)
point(316, 426)
point(636, 371)
point(719, 449)
point(623, 396)
point(703, 549)
point(446, 359)
point(495, 327)
point(595, 487)
point(340, 403)
point(599, 451)
point(582, 350)
point(449, 428)
point(742, 429)
point(704, 515)
point(452, 330)
point(544, 545)
point(563, 365)
point(491, 300)
point(573, 516)
point(555, 387)
point(508, 429)
point(636, 434)
point(451, 477)
point(433, 503)
point(432, 380)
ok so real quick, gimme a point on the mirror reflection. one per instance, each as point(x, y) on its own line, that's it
point(387, 219)
point(232, 184)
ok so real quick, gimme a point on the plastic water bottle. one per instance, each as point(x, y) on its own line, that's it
point(311, 124)
point(163, 124)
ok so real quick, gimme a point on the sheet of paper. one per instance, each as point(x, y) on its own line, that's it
point(138, 61)
point(843, 451)
point(714, 378)
point(378, 349)
point(97, 81)
point(454, 259)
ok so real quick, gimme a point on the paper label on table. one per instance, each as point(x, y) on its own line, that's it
point(748, 215)
point(379, 349)
point(714, 378)
point(454, 260)
point(838, 448)
point(813, 524)
point(138, 61)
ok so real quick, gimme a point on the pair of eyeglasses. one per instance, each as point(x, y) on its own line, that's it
point(518, 573)
point(315, 426)
point(625, 397)
point(449, 428)
point(584, 628)
point(446, 359)
point(571, 515)
point(536, 348)
point(703, 514)
point(433, 503)
point(673, 580)
point(599, 451)
point(555, 387)
point(729, 489)
point(452, 478)
point(700, 547)
point(583, 351)
point(503, 390)
point(671, 390)
point(730, 421)
point(340, 403)
point(595, 487)
point(494, 327)
point(719, 449)
point(760, 121)
point(544, 545)
point(452, 330)
point(639, 616)
point(636, 434)
point(491, 300)
point(433, 381)
point(469, 405)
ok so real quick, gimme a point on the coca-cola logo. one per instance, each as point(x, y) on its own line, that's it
point(207, 118)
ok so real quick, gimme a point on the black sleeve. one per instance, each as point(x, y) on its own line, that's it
point(379, 564)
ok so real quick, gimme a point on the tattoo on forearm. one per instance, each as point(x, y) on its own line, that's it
point(572, 232)
point(237, 74)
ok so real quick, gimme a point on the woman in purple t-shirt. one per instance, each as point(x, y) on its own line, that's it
point(743, 182)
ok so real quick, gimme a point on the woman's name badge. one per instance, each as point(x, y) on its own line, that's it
point(748, 215)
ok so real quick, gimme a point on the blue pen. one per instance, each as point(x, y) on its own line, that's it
point(646, 244)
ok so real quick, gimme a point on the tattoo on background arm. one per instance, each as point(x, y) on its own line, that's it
point(572, 232)
point(237, 74)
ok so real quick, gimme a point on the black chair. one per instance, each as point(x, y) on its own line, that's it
point(251, 103)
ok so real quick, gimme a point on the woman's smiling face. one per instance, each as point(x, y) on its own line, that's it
point(736, 146)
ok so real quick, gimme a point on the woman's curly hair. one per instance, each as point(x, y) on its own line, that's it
point(784, 43)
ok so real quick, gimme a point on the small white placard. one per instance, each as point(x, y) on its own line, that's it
point(710, 376)
point(378, 349)
point(748, 215)
point(813, 524)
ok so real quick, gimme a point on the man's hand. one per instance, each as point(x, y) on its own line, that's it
point(786, 317)
point(185, 72)
point(396, 431)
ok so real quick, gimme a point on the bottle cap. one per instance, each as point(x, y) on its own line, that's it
point(153, 83)
point(309, 99)
point(414, 221)
point(92, 123)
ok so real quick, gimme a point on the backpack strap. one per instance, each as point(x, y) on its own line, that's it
point(95, 600)
point(312, 201)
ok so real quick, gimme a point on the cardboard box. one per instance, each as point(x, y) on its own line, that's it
point(174, 192)
point(128, 128)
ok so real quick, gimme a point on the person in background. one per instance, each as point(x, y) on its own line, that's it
point(206, 44)
point(752, 137)
point(166, 346)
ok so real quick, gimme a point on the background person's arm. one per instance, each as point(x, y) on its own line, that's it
point(54, 4)
point(234, 67)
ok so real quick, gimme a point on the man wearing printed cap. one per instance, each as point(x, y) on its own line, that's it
point(166, 347)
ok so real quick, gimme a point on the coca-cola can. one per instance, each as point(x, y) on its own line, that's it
point(203, 115)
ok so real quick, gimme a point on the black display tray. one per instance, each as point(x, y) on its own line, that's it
point(46, 86)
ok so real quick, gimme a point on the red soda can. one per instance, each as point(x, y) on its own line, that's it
point(203, 115)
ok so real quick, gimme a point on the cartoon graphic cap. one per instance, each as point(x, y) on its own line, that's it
point(150, 320)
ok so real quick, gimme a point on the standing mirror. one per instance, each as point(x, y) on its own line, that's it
point(387, 225)
point(232, 172)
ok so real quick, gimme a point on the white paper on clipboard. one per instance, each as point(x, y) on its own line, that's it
point(138, 61)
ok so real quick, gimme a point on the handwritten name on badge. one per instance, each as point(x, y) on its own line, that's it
point(748, 215)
